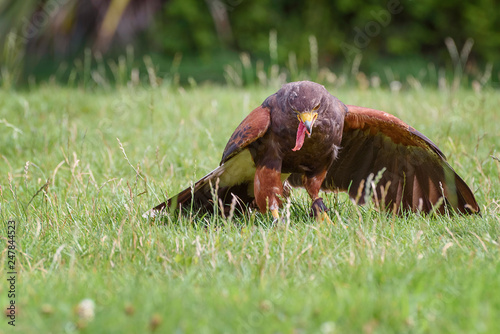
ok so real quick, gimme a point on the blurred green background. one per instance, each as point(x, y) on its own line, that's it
point(194, 40)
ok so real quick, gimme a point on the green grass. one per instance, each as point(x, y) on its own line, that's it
point(78, 199)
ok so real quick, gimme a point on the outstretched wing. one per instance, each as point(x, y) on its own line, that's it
point(233, 179)
point(253, 127)
point(414, 173)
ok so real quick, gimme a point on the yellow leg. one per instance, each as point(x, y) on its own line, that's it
point(323, 216)
point(276, 214)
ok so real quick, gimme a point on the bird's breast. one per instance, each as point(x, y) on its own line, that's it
point(317, 153)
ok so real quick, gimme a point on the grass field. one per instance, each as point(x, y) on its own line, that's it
point(78, 168)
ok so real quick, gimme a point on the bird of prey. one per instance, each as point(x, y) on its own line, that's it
point(302, 136)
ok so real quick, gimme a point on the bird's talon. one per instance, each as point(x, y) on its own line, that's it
point(323, 216)
point(276, 215)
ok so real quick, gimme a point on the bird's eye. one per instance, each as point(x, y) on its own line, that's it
point(316, 108)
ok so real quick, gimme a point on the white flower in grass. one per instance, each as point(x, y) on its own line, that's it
point(85, 309)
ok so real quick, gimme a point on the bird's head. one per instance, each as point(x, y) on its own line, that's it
point(304, 100)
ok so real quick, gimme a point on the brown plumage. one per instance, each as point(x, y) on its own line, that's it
point(345, 149)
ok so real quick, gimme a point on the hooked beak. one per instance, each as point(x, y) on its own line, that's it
point(308, 119)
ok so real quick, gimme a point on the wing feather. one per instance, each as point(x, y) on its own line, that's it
point(253, 127)
point(416, 174)
point(233, 178)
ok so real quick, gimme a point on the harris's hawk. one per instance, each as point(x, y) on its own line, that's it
point(347, 148)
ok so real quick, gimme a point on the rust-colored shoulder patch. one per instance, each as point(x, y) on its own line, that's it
point(253, 127)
